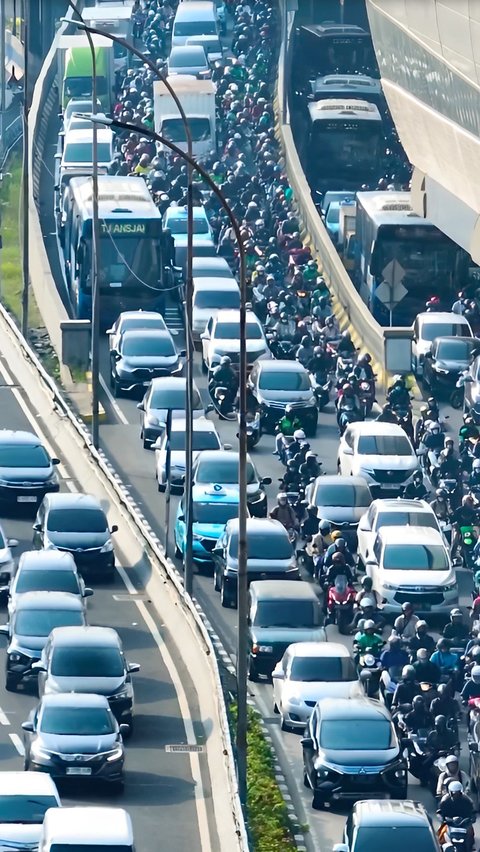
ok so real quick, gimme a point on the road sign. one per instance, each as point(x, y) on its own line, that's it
point(391, 291)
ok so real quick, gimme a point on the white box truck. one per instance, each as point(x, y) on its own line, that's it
point(198, 100)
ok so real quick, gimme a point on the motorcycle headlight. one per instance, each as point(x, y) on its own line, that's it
point(107, 547)
point(115, 754)
point(262, 649)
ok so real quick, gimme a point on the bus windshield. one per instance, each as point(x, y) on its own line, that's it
point(127, 262)
point(344, 148)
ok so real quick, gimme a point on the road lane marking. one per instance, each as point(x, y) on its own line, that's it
point(113, 402)
point(71, 485)
point(4, 720)
point(199, 792)
point(18, 744)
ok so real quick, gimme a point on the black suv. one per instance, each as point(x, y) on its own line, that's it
point(273, 385)
point(351, 751)
point(27, 472)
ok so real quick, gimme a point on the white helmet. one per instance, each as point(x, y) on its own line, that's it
point(370, 625)
point(455, 787)
point(299, 435)
point(475, 674)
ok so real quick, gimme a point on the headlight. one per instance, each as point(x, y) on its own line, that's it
point(16, 658)
point(38, 751)
point(450, 588)
point(123, 693)
point(389, 587)
point(400, 773)
point(107, 547)
point(322, 773)
point(116, 754)
point(153, 421)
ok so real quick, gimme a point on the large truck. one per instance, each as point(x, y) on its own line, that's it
point(74, 70)
point(114, 18)
point(198, 100)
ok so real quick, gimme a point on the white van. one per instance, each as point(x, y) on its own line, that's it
point(209, 296)
point(81, 828)
point(194, 19)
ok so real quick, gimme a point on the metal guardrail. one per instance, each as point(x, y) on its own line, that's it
point(349, 306)
point(12, 133)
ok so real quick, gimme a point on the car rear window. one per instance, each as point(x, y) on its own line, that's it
point(49, 581)
point(333, 669)
point(356, 734)
point(343, 496)
point(283, 613)
point(434, 329)
point(174, 399)
point(269, 547)
point(403, 519)
point(217, 299)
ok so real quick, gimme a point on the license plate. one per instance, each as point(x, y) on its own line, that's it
point(27, 499)
point(79, 770)
point(364, 780)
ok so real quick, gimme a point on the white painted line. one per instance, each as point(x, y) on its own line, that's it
point(199, 792)
point(71, 485)
point(18, 744)
point(31, 419)
point(4, 720)
point(113, 402)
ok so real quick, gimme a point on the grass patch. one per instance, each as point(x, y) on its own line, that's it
point(268, 822)
point(11, 280)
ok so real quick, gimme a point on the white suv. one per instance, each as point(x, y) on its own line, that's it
point(429, 325)
point(381, 453)
point(222, 337)
point(413, 564)
point(391, 513)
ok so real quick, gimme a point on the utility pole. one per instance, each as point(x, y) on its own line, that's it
point(95, 261)
point(25, 180)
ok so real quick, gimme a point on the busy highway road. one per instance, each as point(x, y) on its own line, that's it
point(160, 788)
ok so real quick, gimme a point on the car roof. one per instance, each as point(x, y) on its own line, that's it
point(416, 535)
point(210, 263)
point(452, 338)
point(282, 366)
point(75, 699)
point(188, 50)
point(199, 424)
point(86, 135)
point(48, 600)
point(375, 427)
point(144, 314)
point(86, 635)
point(220, 455)
point(233, 315)
point(27, 784)
point(441, 316)
point(389, 812)
point(90, 825)
point(180, 212)
point(13, 436)
point(352, 708)
point(336, 479)
point(204, 493)
point(71, 500)
point(219, 283)
point(282, 590)
point(258, 526)
point(140, 333)
point(319, 649)
point(400, 504)
point(54, 560)
point(170, 383)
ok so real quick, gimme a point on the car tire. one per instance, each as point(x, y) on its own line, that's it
point(306, 782)
point(117, 390)
point(26, 764)
point(161, 487)
point(225, 598)
point(11, 682)
point(275, 708)
point(318, 803)
point(252, 672)
point(284, 726)
point(216, 584)
point(128, 721)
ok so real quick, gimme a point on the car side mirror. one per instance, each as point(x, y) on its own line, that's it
point(348, 451)
point(306, 742)
point(468, 379)
point(182, 353)
point(37, 527)
point(340, 847)
point(157, 445)
point(372, 561)
point(12, 542)
point(227, 446)
point(55, 461)
point(278, 675)
point(133, 667)
point(124, 729)
point(114, 529)
point(4, 629)
point(181, 518)
point(473, 747)
point(266, 480)
point(140, 406)
point(28, 726)
point(364, 528)
point(204, 336)
point(87, 593)
point(109, 331)
point(38, 666)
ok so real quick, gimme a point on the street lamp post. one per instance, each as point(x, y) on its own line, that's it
point(189, 345)
point(242, 626)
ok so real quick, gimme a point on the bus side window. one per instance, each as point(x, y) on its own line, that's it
point(375, 261)
point(80, 256)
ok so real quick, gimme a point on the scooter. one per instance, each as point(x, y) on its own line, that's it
point(370, 670)
point(254, 429)
point(340, 600)
point(348, 414)
point(389, 680)
point(322, 391)
point(222, 402)
point(456, 834)
point(468, 542)
point(366, 395)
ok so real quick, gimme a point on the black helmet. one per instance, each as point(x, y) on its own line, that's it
point(306, 340)
point(440, 723)
point(418, 702)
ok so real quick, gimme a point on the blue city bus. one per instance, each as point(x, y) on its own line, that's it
point(132, 258)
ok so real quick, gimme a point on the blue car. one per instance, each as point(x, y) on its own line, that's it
point(212, 507)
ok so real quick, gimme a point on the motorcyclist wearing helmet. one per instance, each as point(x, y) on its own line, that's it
point(449, 467)
point(225, 376)
point(445, 659)
point(284, 513)
point(441, 506)
point(368, 610)
point(441, 738)
point(397, 394)
point(456, 803)
point(468, 430)
point(444, 703)
point(421, 639)
point(339, 545)
point(432, 443)
point(331, 329)
point(471, 687)
point(425, 670)
point(319, 545)
point(345, 347)
point(387, 415)
point(419, 718)
point(395, 655)
point(407, 689)
point(305, 350)
point(456, 629)
point(416, 489)
point(474, 478)
point(310, 468)
point(347, 399)
point(406, 623)
point(363, 370)
point(337, 567)
point(369, 640)
point(291, 478)
point(320, 363)
point(367, 591)
point(286, 427)
point(452, 772)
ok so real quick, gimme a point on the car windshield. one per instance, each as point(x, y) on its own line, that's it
point(265, 546)
point(415, 557)
point(404, 519)
point(217, 299)
point(133, 323)
point(201, 440)
point(223, 471)
point(174, 399)
point(231, 331)
point(356, 734)
point(283, 380)
point(333, 669)
point(395, 838)
point(23, 455)
point(81, 152)
point(344, 496)
point(282, 613)
point(40, 622)
point(27, 809)
point(77, 720)
point(178, 225)
point(161, 344)
point(384, 445)
point(90, 661)
point(431, 330)
point(214, 513)
point(77, 520)
point(454, 350)
point(43, 580)
point(187, 58)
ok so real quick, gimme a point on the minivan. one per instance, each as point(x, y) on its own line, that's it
point(194, 19)
point(279, 613)
point(80, 828)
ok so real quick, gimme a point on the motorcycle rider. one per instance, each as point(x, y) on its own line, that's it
point(407, 689)
point(406, 624)
point(336, 568)
point(347, 399)
point(426, 671)
point(367, 591)
point(445, 659)
point(305, 350)
point(394, 656)
point(331, 329)
point(474, 478)
point(444, 704)
point(339, 545)
point(465, 516)
point(291, 478)
point(369, 640)
point(310, 468)
point(471, 687)
point(441, 506)
point(397, 394)
point(363, 370)
point(416, 489)
point(369, 612)
point(320, 363)
point(431, 444)
point(319, 545)
point(456, 629)
point(284, 513)
point(346, 348)
point(224, 376)
point(452, 772)
point(387, 415)
point(456, 803)
point(419, 718)
point(286, 427)
point(421, 639)
point(449, 467)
